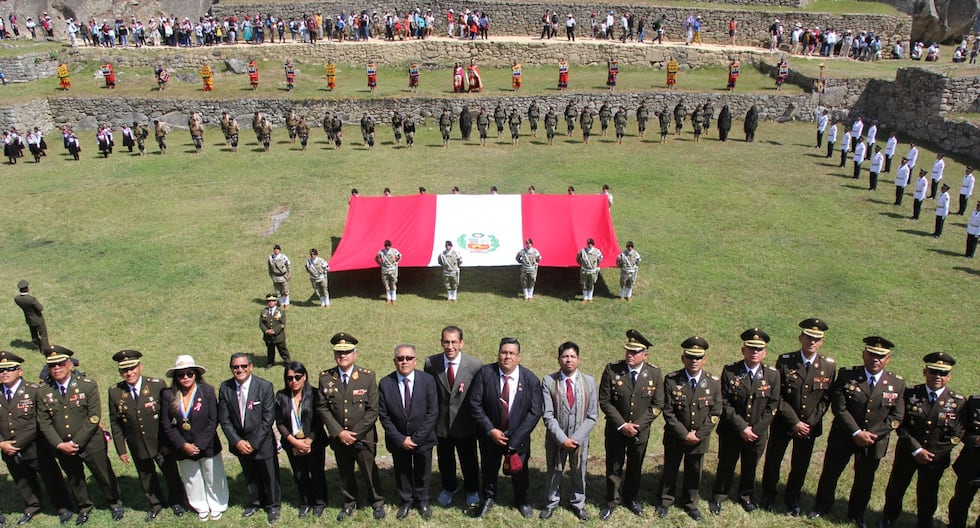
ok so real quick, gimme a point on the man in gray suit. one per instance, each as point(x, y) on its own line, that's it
point(32, 315)
point(455, 430)
point(571, 409)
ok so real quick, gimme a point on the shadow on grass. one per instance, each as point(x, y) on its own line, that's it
point(892, 215)
point(23, 343)
point(946, 252)
point(915, 232)
point(879, 201)
point(971, 271)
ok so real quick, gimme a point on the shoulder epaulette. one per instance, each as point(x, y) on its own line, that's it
point(364, 370)
point(31, 385)
point(772, 368)
point(787, 356)
point(712, 376)
point(154, 380)
point(899, 376)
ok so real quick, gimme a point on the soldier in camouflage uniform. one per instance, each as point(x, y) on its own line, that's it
point(533, 114)
point(642, 116)
point(445, 126)
point(450, 260)
point(605, 114)
point(629, 263)
point(528, 258)
point(388, 259)
point(619, 121)
point(482, 124)
point(550, 124)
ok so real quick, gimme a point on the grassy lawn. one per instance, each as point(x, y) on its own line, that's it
point(166, 254)
point(970, 117)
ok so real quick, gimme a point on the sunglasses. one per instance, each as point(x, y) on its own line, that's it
point(9, 369)
point(297, 377)
point(934, 372)
point(693, 358)
point(60, 363)
point(185, 374)
point(127, 369)
point(240, 367)
point(405, 358)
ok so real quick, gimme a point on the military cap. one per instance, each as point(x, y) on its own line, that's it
point(636, 342)
point(276, 247)
point(271, 297)
point(9, 359)
point(22, 285)
point(754, 338)
point(55, 354)
point(694, 346)
point(939, 361)
point(878, 345)
point(314, 252)
point(343, 342)
point(127, 358)
point(814, 327)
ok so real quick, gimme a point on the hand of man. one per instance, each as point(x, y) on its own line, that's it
point(499, 437)
point(924, 457)
point(8, 447)
point(865, 438)
point(748, 435)
point(69, 448)
point(692, 439)
point(408, 444)
point(570, 444)
point(244, 447)
point(629, 429)
point(125, 458)
point(190, 449)
point(347, 437)
point(801, 430)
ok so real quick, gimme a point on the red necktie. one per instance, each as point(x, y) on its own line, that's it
point(451, 375)
point(505, 403)
point(569, 392)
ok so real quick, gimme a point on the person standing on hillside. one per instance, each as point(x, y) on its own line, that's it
point(450, 260)
point(280, 271)
point(388, 259)
point(589, 258)
point(33, 315)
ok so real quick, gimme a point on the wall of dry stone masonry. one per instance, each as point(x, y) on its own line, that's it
point(523, 18)
point(28, 67)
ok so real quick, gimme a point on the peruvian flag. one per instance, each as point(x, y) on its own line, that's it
point(486, 229)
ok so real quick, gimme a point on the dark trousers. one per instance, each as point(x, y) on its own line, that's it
point(624, 466)
point(262, 482)
point(888, 163)
point(25, 473)
point(963, 493)
point(492, 455)
point(857, 169)
point(39, 335)
point(963, 202)
point(346, 457)
point(447, 448)
point(270, 351)
point(873, 183)
point(799, 463)
point(940, 222)
point(731, 448)
point(971, 245)
point(916, 209)
point(830, 148)
point(843, 158)
point(899, 195)
point(309, 476)
point(838, 454)
point(819, 139)
point(54, 480)
point(412, 473)
point(667, 490)
point(98, 464)
point(146, 470)
point(933, 187)
point(926, 487)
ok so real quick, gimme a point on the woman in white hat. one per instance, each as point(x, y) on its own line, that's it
point(189, 417)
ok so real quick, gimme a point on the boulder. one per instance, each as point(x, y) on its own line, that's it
point(943, 20)
point(236, 65)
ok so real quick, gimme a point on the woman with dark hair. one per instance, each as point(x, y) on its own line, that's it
point(303, 438)
point(189, 417)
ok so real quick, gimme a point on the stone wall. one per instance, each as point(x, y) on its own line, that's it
point(28, 67)
point(27, 115)
point(523, 18)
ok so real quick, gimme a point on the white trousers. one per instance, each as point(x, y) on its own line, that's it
point(205, 484)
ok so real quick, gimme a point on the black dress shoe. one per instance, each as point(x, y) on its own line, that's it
point(748, 506)
point(65, 516)
point(81, 519)
point(425, 512)
point(662, 512)
point(582, 515)
point(766, 503)
point(117, 513)
point(525, 510)
point(859, 522)
point(273, 515)
point(345, 512)
point(605, 513)
point(250, 511)
point(304, 511)
point(484, 508)
point(694, 514)
point(714, 507)
point(26, 518)
point(635, 507)
point(379, 512)
point(403, 510)
point(151, 515)
point(795, 510)
point(178, 509)
point(318, 511)
point(547, 513)
point(813, 515)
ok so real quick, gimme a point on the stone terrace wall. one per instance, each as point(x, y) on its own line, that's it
point(523, 18)
point(33, 113)
point(28, 67)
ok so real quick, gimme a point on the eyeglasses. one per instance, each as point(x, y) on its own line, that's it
point(9, 369)
point(60, 363)
point(693, 358)
point(240, 367)
point(185, 374)
point(934, 372)
point(127, 369)
point(401, 359)
point(298, 377)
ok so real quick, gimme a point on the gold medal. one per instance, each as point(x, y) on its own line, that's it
point(300, 435)
point(186, 426)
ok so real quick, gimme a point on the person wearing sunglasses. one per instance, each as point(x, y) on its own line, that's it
point(303, 438)
point(930, 431)
point(134, 416)
point(70, 412)
point(246, 412)
point(189, 418)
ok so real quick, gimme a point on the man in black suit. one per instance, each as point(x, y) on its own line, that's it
point(506, 404)
point(408, 408)
point(453, 371)
point(246, 412)
point(32, 315)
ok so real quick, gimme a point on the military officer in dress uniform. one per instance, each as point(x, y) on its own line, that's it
point(19, 442)
point(69, 413)
point(750, 392)
point(805, 378)
point(631, 396)
point(134, 416)
point(347, 403)
point(272, 322)
point(692, 409)
point(33, 315)
point(926, 438)
point(867, 404)
point(967, 465)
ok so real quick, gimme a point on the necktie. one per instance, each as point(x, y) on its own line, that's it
point(64, 390)
point(749, 373)
point(633, 376)
point(932, 396)
point(694, 384)
point(807, 365)
point(10, 395)
point(241, 403)
point(451, 375)
point(408, 396)
point(871, 383)
point(136, 394)
point(569, 393)
point(505, 403)
point(344, 379)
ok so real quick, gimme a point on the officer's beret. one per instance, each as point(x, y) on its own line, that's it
point(9, 359)
point(754, 338)
point(55, 354)
point(22, 285)
point(127, 358)
point(878, 345)
point(814, 327)
point(636, 342)
point(343, 342)
point(694, 346)
point(939, 361)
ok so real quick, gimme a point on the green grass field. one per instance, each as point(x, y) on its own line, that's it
point(166, 254)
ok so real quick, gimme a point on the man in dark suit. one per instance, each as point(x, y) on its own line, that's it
point(407, 408)
point(867, 404)
point(19, 442)
point(272, 322)
point(347, 403)
point(246, 412)
point(967, 465)
point(692, 409)
point(631, 396)
point(926, 438)
point(506, 404)
point(750, 396)
point(453, 371)
point(805, 378)
point(32, 314)
point(69, 411)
